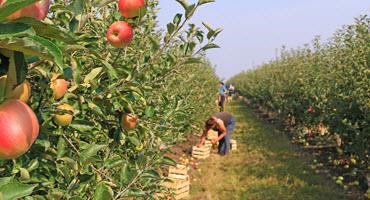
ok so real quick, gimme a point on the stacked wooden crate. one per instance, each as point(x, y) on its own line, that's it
point(208, 144)
point(201, 152)
point(233, 144)
point(180, 182)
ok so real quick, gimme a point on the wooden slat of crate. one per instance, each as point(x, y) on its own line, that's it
point(178, 176)
point(179, 169)
point(200, 149)
point(201, 156)
point(208, 143)
point(176, 183)
point(182, 196)
point(201, 152)
point(182, 189)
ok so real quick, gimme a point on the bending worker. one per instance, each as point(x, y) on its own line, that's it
point(223, 123)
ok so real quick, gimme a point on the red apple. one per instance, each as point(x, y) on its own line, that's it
point(59, 86)
point(129, 121)
point(38, 10)
point(120, 34)
point(19, 128)
point(310, 109)
point(131, 8)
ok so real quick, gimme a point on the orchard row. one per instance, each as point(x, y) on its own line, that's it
point(323, 91)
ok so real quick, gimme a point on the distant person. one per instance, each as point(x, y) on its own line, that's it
point(231, 90)
point(230, 93)
point(223, 123)
point(222, 96)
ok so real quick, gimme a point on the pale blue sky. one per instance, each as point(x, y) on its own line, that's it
point(253, 30)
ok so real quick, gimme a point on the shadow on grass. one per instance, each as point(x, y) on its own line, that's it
point(265, 166)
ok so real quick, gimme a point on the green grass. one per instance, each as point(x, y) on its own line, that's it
point(265, 166)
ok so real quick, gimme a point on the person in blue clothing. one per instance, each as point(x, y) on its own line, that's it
point(222, 96)
point(223, 123)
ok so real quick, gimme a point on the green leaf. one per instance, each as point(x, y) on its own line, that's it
point(24, 174)
point(177, 19)
point(93, 74)
point(72, 164)
point(114, 162)
point(53, 49)
point(34, 45)
point(170, 28)
point(208, 27)
point(82, 125)
point(103, 192)
point(151, 174)
point(111, 71)
point(193, 61)
point(189, 11)
point(134, 140)
point(168, 161)
point(149, 111)
point(77, 7)
point(50, 31)
point(20, 66)
point(201, 2)
point(155, 42)
point(126, 175)
point(96, 109)
point(210, 46)
point(184, 3)
point(11, 6)
point(91, 151)
point(5, 180)
point(15, 30)
point(33, 165)
point(216, 32)
point(14, 190)
point(136, 192)
point(61, 146)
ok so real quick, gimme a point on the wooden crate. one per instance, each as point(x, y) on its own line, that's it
point(178, 172)
point(180, 188)
point(208, 144)
point(233, 145)
point(200, 152)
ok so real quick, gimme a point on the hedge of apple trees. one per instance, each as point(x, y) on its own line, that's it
point(93, 93)
point(323, 89)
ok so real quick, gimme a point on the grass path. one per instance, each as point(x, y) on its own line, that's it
point(265, 166)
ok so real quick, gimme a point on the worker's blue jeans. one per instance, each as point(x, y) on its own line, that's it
point(224, 143)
